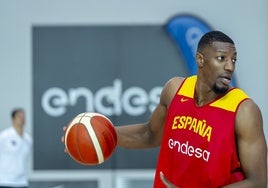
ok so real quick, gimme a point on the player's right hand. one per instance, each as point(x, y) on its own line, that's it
point(63, 138)
point(166, 182)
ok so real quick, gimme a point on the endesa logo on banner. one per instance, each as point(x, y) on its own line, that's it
point(134, 101)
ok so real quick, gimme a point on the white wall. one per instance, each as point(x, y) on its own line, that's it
point(246, 23)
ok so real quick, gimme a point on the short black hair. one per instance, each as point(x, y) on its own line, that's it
point(15, 111)
point(213, 36)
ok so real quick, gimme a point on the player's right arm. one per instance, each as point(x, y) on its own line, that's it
point(149, 134)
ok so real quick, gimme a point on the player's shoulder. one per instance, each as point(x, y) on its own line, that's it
point(170, 88)
point(248, 112)
point(248, 106)
point(175, 81)
point(173, 84)
point(247, 102)
point(248, 119)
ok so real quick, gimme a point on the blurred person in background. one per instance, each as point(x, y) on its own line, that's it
point(15, 148)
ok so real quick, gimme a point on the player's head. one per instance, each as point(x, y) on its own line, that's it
point(212, 36)
point(216, 57)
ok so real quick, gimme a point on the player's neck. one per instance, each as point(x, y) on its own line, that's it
point(204, 94)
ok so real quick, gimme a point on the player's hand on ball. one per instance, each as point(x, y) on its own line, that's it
point(63, 138)
point(166, 182)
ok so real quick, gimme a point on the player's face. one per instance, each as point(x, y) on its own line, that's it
point(219, 65)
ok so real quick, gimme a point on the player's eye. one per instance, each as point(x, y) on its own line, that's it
point(220, 58)
point(234, 60)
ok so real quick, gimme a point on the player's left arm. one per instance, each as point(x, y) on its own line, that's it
point(251, 144)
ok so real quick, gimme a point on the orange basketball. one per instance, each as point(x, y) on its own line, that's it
point(90, 138)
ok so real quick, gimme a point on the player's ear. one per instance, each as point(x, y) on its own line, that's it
point(199, 59)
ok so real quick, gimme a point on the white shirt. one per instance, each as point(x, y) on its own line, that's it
point(14, 153)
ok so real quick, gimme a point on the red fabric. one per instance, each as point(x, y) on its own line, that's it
point(198, 147)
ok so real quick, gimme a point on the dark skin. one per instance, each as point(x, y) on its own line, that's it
point(216, 65)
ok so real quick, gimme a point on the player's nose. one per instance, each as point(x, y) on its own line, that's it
point(229, 65)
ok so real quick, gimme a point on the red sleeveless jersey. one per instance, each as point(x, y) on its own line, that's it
point(198, 148)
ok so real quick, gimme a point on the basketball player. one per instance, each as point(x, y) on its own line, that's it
point(210, 134)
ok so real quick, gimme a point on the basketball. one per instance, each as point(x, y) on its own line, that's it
point(90, 138)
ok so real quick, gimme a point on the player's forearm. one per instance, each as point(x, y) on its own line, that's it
point(134, 137)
